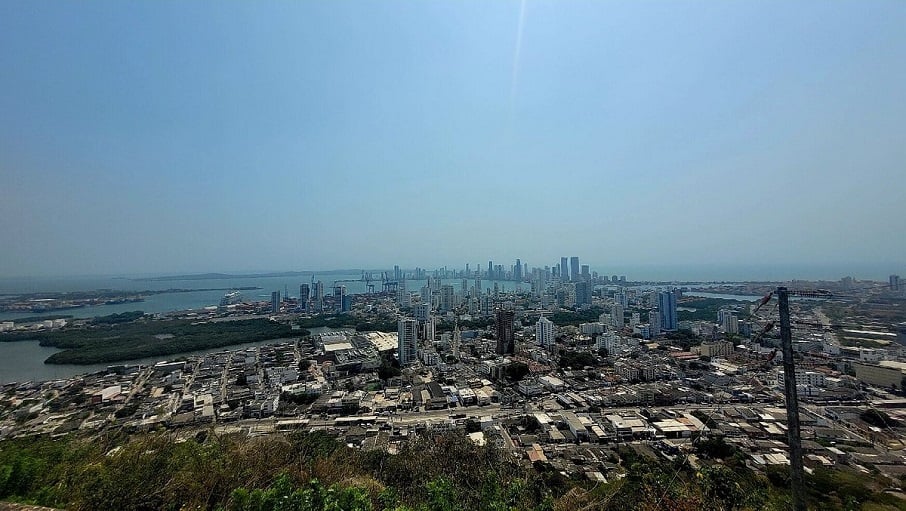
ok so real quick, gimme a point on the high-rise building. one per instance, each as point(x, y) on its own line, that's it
point(304, 292)
point(654, 322)
point(583, 293)
point(422, 311)
point(585, 275)
point(730, 323)
point(429, 329)
point(319, 295)
point(517, 271)
point(635, 319)
point(339, 294)
point(544, 332)
point(275, 302)
point(403, 297)
point(397, 274)
point(446, 298)
point(564, 269)
point(490, 270)
point(407, 345)
point(666, 304)
point(616, 316)
point(574, 268)
point(506, 340)
point(486, 302)
point(894, 282)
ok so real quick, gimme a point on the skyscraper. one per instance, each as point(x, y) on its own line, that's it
point(666, 304)
point(517, 271)
point(506, 341)
point(894, 282)
point(654, 323)
point(446, 298)
point(544, 332)
point(574, 268)
point(407, 346)
point(339, 294)
point(564, 269)
point(319, 295)
point(304, 292)
point(583, 293)
point(346, 303)
point(585, 275)
point(275, 302)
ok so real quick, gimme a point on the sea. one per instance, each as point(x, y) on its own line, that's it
point(24, 361)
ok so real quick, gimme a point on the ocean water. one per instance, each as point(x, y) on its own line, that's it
point(199, 299)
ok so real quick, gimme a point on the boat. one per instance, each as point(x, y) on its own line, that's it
point(231, 298)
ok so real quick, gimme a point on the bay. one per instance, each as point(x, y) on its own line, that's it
point(199, 299)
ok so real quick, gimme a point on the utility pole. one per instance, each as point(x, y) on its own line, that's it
point(792, 401)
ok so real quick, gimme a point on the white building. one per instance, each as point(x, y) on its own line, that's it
point(810, 378)
point(544, 332)
point(611, 342)
point(730, 323)
point(616, 316)
point(635, 319)
point(407, 347)
point(592, 328)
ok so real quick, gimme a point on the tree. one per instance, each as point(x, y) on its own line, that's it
point(516, 371)
point(389, 369)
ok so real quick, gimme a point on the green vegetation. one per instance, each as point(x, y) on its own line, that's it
point(516, 371)
point(577, 359)
point(390, 368)
point(313, 471)
point(705, 308)
point(113, 319)
point(387, 324)
point(147, 338)
point(575, 318)
point(683, 338)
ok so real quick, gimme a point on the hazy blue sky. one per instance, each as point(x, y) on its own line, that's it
point(196, 136)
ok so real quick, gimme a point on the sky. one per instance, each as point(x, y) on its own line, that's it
point(172, 137)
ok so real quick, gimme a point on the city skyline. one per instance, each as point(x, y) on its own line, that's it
point(216, 137)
